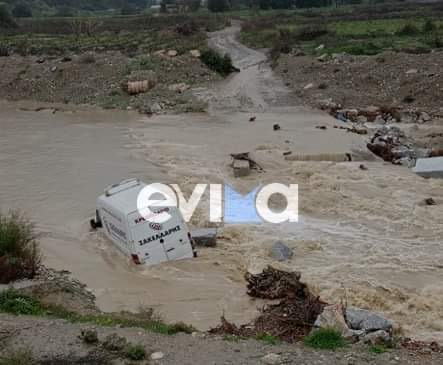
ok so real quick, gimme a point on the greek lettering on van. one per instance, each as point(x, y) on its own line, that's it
point(158, 236)
point(153, 214)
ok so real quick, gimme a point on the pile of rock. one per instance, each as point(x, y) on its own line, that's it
point(391, 144)
point(374, 114)
point(356, 324)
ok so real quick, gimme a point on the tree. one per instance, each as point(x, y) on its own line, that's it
point(6, 20)
point(22, 11)
point(217, 6)
point(281, 4)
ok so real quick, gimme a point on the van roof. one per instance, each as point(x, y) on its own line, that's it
point(123, 196)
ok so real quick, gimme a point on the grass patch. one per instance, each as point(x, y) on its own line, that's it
point(134, 352)
point(267, 338)
point(19, 253)
point(18, 304)
point(20, 357)
point(325, 339)
point(356, 30)
point(377, 349)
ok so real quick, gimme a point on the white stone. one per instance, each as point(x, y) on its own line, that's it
point(272, 359)
point(157, 355)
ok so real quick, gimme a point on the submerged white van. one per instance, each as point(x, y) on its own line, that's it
point(146, 242)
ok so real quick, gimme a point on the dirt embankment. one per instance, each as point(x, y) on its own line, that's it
point(97, 78)
point(413, 83)
point(58, 342)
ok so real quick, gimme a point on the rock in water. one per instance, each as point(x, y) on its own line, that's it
point(361, 319)
point(281, 252)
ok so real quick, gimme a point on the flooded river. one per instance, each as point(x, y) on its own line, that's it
point(363, 235)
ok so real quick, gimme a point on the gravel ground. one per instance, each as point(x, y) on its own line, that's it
point(58, 341)
point(406, 80)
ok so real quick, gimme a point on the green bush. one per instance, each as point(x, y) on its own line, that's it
point(311, 32)
point(429, 26)
point(13, 302)
point(6, 20)
point(408, 30)
point(135, 352)
point(377, 349)
point(4, 51)
point(266, 337)
point(19, 252)
point(215, 61)
point(325, 339)
point(22, 11)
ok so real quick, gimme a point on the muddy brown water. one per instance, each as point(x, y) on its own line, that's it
point(363, 235)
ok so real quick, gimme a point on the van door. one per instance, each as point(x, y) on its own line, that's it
point(149, 250)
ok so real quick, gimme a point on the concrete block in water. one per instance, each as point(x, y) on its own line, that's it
point(205, 237)
point(241, 168)
point(429, 167)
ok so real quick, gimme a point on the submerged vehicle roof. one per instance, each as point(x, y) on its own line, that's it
point(123, 195)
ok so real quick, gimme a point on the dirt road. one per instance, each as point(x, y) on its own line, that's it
point(255, 88)
point(365, 231)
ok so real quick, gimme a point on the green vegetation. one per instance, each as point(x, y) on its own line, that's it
point(134, 352)
point(269, 339)
point(215, 61)
point(20, 357)
point(6, 20)
point(19, 253)
point(377, 349)
point(22, 10)
point(355, 30)
point(13, 302)
point(130, 34)
point(325, 339)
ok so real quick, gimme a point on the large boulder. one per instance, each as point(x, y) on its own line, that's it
point(361, 319)
point(332, 317)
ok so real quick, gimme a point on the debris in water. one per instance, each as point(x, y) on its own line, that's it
point(245, 157)
point(289, 320)
point(430, 201)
